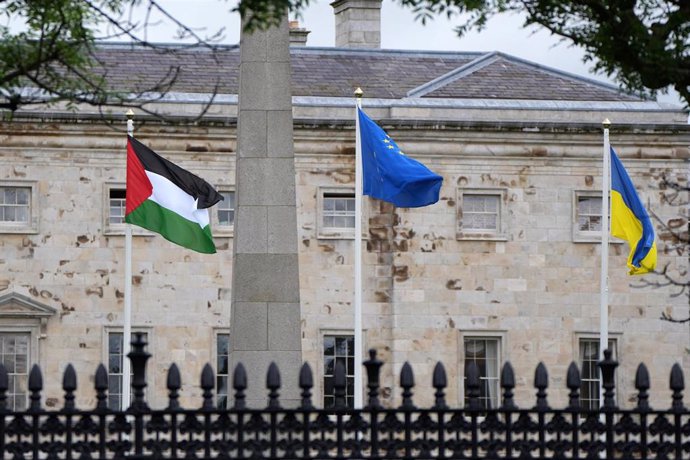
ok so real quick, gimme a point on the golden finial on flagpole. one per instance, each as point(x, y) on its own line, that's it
point(606, 123)
point(359, 93)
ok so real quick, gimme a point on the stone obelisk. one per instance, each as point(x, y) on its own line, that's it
point(265, 318)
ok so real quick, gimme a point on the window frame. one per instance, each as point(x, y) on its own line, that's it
point(614, 339)
point(584, 236)
point(29, 363)
point(20, 314)
point(228, 394)
point(150, 376)
point(32, 226)
point(336, 232)
point(218, 229)
point(481, 235)
point(117, 229)
point(322, 367)
point(500, 338)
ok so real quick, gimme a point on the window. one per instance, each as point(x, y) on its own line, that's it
point(480, 215)
point(114, 206)
point(484, 353)
point(115, 367)
point(336, 213)
point(226, 209)
point(338, 348)
point(116, 202)
point(14, 204)
point(587, 216)
point(24, 322)
point(222, 370)
point(18, 207)
point(589, 375)
point(14, 354)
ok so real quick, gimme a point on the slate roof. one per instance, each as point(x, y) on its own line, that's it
point(335, 72)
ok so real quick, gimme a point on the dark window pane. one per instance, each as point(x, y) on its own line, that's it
point(222, 364)
point(222, 385)
point(341, 346)
point(23, 196)
point(328, 401)
point(328, 386)
point(114, 402)
point(341, 361)
point(114, 384)
point(329, 364)
point(223, 344)
point(115, 343)
point(351, 346)
point(114, 364)
point(340, 349)
point(350, 386)
point(329, 345)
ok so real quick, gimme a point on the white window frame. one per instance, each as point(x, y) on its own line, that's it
point(117, 229)
point(336, 232)
point(13, 375)
point(20, 314)
point(322, 369)
point(614, 339)
point(483, 235)
point(584, 236)
point(498, 336)
point(150, 376)
point(229, 375)
point(30, 227)
point(220, 230)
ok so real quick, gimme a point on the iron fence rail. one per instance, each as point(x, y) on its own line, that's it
point(375, 432)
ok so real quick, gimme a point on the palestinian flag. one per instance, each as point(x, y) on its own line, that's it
point(166, 199)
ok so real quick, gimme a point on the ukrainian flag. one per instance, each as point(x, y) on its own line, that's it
point(630, 221)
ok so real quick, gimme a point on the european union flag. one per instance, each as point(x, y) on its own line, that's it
point(391, 176)
point(630, 221)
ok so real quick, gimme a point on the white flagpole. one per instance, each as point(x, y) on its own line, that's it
point(358, 255)
point(604, 286)
point(127, 328)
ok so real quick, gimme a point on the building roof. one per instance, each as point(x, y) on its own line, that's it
point(336, 72)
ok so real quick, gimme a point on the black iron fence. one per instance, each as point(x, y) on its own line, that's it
point(305, 432)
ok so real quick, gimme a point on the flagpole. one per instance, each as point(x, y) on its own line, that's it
point(604, 301)
point(127, 327)
point(358, 255)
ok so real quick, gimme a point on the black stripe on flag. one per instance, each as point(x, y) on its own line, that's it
point(193, 185)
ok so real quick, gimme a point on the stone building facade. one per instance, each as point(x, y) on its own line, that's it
point(504, 267)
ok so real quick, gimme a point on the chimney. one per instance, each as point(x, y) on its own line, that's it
point(357, 23)
point(298, 36)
